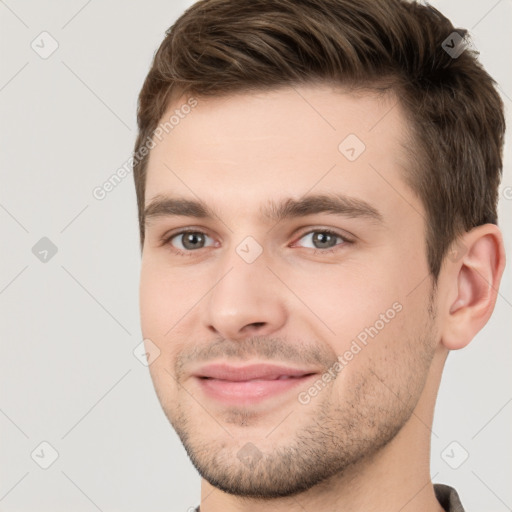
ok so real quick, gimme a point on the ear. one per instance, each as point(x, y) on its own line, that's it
point(472, 276)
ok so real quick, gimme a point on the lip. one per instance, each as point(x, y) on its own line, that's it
point(260, 371)
point(245, 385)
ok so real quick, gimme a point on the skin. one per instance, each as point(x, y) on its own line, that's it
point(363, 442)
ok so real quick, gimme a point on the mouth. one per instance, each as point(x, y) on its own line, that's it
point(249, 384)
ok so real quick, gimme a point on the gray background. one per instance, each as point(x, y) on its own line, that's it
point(70, 324)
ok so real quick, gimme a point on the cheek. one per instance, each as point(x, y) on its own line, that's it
point(152, 302)
point(346, 298)
point(166, 299)
point(159, 304)
point(158, 299)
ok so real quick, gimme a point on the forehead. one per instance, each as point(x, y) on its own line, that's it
point(246, 149)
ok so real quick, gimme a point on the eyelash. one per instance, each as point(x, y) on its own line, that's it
point(329, 250)
point(166, 240)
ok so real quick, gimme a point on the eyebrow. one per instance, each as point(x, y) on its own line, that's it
point(334, 204)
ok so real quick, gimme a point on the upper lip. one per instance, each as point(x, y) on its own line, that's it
point(254, 371)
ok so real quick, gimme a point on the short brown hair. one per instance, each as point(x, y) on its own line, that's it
point(218, 47)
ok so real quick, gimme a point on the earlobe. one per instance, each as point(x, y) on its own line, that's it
point(475, 278)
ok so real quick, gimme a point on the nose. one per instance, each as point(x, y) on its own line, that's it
point(246, 302)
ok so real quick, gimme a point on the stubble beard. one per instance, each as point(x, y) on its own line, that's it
point(330, 439)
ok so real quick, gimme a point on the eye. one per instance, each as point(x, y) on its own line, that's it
point(323, 239)
point(187, 241)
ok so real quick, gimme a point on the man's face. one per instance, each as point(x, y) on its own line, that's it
point(337, 293)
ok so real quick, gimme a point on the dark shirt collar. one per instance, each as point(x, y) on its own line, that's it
point(448, 498)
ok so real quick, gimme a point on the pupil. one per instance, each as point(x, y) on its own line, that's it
point(323, 240)
point(191, 240)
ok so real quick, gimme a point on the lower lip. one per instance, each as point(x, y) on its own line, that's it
point(248, 392)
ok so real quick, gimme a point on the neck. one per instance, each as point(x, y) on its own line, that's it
point(397, 478)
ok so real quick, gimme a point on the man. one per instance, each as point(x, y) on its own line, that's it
point(317, 184)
